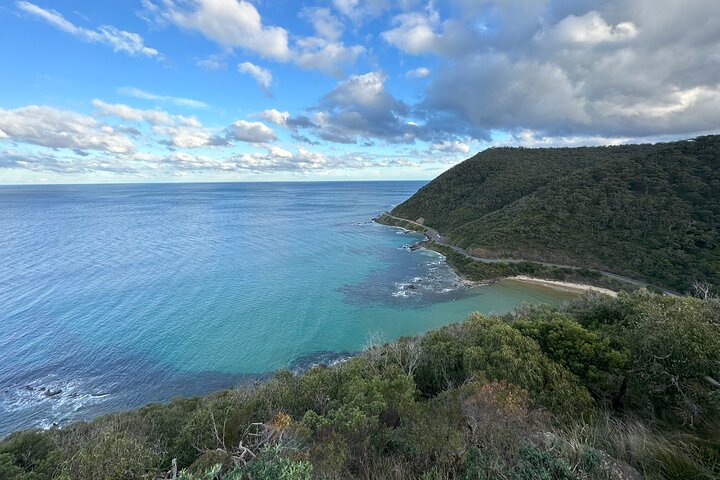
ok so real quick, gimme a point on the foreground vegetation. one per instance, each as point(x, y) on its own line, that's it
point(602, 388)
point(645, 211)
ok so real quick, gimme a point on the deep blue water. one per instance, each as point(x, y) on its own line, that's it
point(119, 295)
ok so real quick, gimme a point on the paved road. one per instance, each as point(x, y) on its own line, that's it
point(435, 236)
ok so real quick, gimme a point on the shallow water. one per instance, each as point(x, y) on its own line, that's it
point(119, 295)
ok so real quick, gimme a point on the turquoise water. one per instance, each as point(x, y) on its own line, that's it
point(117, 295)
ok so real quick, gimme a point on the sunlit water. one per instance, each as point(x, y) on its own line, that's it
point(118, 295)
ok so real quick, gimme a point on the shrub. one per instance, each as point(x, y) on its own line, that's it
point(585, 353)
point(272, 465)
point(111, 456)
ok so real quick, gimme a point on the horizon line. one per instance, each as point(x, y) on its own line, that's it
point(52, 184)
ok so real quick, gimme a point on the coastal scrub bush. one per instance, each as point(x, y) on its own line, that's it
point(674, 352)
point(675, 345)
point(536, 464)
point(111, 456)
point(490, 348)
point(585, 353)
point(272, 464)
point(28, 451)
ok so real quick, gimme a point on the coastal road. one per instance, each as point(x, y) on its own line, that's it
point(436, 237)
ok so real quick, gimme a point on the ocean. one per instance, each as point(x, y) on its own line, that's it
point(114, 296)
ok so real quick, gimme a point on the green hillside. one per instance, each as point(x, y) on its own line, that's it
point(646, 211)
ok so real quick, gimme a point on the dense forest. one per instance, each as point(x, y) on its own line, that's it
point(645, 211)
point(606, 388)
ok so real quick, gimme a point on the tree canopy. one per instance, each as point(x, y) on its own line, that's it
point(648, 211)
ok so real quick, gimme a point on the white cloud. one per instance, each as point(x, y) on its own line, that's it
point(590, 28)
point(213, 62)
point(274, 116)
point(237, 23)
point(346, 7)
point(188, 132)
point(262, 76)
point(532, 139)
point(154, 117)
point(186, 136)
point(414, 32)
point(232, 23)
point(418, 33)
point(60, 163)
point(316, 53)
point(420, 72)
point(404, 163)
point(145, 95)
point(358, 108)
point(641, 69)
point(253, 132)
point(118, 40)
point(364, 90)
point(362, 10)
point(326, 25)
point(451, 147)
point(53, 128)
point(278, 151)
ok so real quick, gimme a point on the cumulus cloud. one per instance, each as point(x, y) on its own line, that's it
point(543, 92)
point(187, 133)
point(231, 23)
point(272, 159)
point(238, 24)
point(400, 162)
point(362, 10)
point(53, 128)
point(262, 76)
point(642, 69)
point(179, 131)
point(274, 116)
point(589, 28)
point(188, 136)
point(451, 147)
point(145, 95)
point(308, 161)
point(254, 132)
point(324, 51)
point(53, 162)
point(326, 25)
point(315, 53)
point(118, 40)
point(420, 72)
point(424, 32)
point(529, 138)
point(358, 108)
point(126, 112)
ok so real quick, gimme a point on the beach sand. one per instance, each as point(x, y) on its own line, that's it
point(566, 286)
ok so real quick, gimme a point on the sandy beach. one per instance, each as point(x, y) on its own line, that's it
point(566, 286)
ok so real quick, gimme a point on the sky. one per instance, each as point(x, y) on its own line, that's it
point(284, 90)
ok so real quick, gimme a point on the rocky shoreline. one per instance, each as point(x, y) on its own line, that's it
point(433, 237)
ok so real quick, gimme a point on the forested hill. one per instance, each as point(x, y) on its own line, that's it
point(648, 211)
